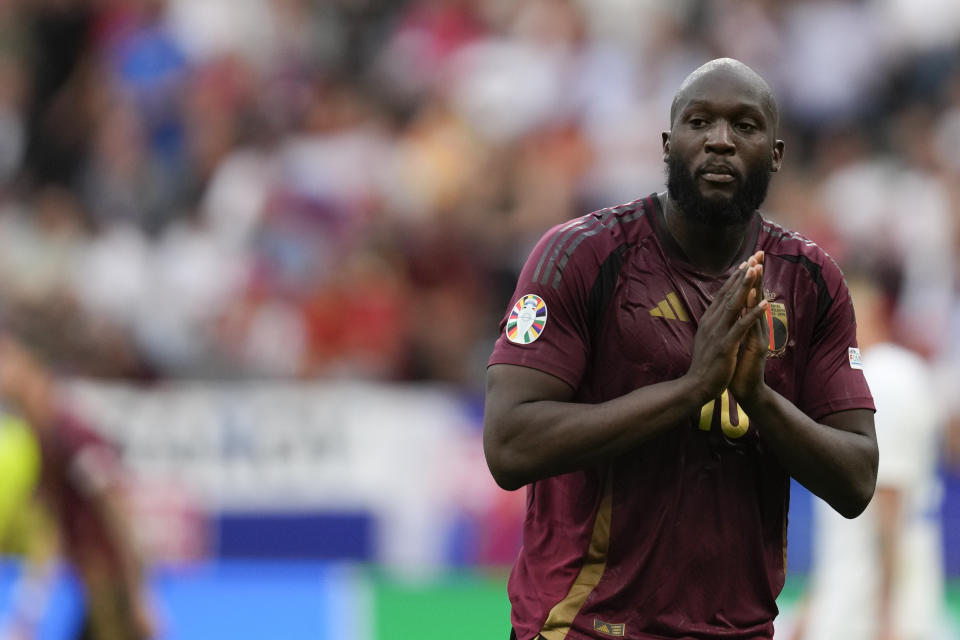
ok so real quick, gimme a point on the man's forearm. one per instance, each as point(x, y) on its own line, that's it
point(838, 465)
point(539, 439)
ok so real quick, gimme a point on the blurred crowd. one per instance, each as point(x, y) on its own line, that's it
point(327, 188)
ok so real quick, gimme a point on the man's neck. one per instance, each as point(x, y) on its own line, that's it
point(708, 247)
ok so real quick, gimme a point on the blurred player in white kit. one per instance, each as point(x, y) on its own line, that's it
point(880, 576)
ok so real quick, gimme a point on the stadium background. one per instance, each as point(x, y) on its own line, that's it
point(269, 243)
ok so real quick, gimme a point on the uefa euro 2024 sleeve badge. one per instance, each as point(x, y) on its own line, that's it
point(527, 319)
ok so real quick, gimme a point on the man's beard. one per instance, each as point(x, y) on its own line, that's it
point(682, 187)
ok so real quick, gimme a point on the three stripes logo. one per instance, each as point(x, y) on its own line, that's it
point(564, 241)
point(609, 628)
point(670, 308)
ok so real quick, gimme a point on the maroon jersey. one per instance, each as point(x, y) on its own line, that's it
point(685, 536)
point(76, 463)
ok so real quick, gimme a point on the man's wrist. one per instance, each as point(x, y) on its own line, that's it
point(755, 402)
point(694, 390)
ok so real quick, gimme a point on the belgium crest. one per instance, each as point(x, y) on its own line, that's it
point(777, 327)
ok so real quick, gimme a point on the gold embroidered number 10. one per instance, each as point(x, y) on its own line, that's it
point(729, 429)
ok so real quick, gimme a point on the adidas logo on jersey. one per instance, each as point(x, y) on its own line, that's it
point(609, 628)
point(670, 308)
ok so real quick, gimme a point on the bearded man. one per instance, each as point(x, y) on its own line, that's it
point(687, 357)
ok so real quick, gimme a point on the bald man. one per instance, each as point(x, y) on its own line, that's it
point(663, 368)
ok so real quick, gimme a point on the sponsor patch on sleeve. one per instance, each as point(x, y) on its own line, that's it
point(527, 319)
point(856, 362)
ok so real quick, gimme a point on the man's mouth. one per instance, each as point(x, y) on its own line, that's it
point(717, 173)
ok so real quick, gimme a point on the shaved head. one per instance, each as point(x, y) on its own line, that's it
point(734, 70)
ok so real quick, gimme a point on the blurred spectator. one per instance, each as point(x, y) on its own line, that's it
point(61, 77)
point(12, 128)
point(839, 35)
point(426, 37)
point(243, 186)
point(122, 182)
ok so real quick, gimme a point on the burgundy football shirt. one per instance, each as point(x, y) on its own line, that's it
point(67, 444)
point(685, 536)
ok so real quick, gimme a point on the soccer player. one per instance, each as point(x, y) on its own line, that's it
point(81, 484)
point(887, 565)
point(685, 358)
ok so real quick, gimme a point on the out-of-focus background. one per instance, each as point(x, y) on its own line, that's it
point(269, 242)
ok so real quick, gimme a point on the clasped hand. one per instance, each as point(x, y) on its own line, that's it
point(730, 347)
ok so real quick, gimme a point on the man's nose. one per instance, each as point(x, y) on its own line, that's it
point(720, 139)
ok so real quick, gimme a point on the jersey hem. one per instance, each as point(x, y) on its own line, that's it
point(574, 634)
point(566, 376)
point(825, 409)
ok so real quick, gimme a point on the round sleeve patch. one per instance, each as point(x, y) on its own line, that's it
point(527, 319)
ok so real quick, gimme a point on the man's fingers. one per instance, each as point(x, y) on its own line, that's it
point(736, 298)
point(755, 259)
point(732, 280)
point(749, 319)
point(756, 293)
point(719, 300)
point(765, 321)
point(734, 294)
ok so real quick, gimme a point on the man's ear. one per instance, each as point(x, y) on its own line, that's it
point(776, 158)
point(666, 145)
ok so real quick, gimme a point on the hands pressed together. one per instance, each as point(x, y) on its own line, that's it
point(730, 347)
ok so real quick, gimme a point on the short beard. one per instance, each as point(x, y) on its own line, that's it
point(682, 187)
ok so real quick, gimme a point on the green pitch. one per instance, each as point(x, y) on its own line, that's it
point(473, 606)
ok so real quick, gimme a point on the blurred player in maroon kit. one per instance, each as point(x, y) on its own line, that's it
point(664, 368)
point(82, 485)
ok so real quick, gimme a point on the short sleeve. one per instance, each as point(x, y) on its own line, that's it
point(546, 324)
point(833, 379)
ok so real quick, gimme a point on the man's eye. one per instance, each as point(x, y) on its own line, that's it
point(746, 126)
point(696, 123)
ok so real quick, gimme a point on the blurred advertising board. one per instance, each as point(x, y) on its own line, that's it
point(384, 473)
